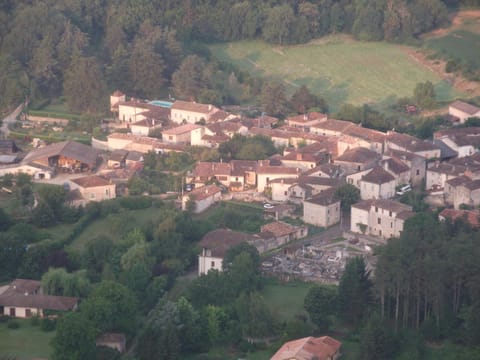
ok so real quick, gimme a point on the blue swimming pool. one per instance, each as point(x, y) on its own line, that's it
point(161, 103)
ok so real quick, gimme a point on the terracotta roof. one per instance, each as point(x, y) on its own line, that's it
point(471, 216)
point(404, 215)
point(25, 285)
point(148, 123)
point(182, 129)
point(309, 348)
point(465, 107)
point(334, 125)
point(220, 240)
point(239, 167)
point(118, 155)
point(70, 149)
point(454, 132)
point(91, 181)
point(193, 107)
point(358, 155)
point(378, 176)
point(461, 180)
point(111, 337)
point(325, 197)
point(45, 302)
point(449, 169)
point(279, 228)
point(205, 192)
point(219, 115)
point(404, 155)
point(410, 143)
point(365, 134)
point(216, 138)
point(210, 169)
point(472, 185)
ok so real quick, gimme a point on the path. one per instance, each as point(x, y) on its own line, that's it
point(10, 119)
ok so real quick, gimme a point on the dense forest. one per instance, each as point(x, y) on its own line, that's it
point(152, 48)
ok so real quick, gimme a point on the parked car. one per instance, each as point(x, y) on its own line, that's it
point(404, 189)
point(189, 187)
point(267, 206)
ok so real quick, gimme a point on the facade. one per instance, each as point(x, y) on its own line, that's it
point(383, 218)
point(377, 184)
point(203, 197)
point(416, 163)
point(94, 188)
point(322, 209)
point(191, 112)
point(145, 127)
point(267, 173)
point(179, 135)
point(309, 348)
point(305, 121)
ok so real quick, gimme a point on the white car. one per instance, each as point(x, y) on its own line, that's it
point(267, 206)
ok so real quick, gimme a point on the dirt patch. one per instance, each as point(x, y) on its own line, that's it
point(472, 88)
point(457, 20)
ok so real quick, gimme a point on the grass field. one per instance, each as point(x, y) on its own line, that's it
point(336, 67)
point(25, 343)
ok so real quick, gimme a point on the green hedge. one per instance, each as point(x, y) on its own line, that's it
point(54, 115)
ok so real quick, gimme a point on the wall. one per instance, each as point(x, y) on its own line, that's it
point(320, 215)
point(20, 312)
point(205, 263)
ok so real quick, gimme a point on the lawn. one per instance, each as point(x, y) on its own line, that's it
point(337, 68)
point(26, 343)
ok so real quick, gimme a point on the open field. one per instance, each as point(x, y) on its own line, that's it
point(25, 343)
point(337, 68)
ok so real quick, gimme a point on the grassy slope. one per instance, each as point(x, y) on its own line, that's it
point(340, 69)
point(27, 342)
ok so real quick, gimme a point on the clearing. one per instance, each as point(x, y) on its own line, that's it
point(338, 68)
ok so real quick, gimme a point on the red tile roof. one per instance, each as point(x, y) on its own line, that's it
point(279, 228)
point(182, 129)
point(193, 107)
point(308, 348)
point(205, 192)
point(220, 240)
point(91, 181)
point(378, 176)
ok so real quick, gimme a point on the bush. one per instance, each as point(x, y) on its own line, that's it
point(13, 324)
point(136, 202)
point(4, 318)
point(35, 321)
point(47, 324)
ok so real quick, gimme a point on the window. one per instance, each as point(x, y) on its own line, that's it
point(285, 193)
point(418, 172)
point(376, 209)
point(328, 211)
point(92, 195)
point(236, 178)
point(212, 264)
point(170, 137)
point(379, 221)
point(358, 167)
point(28, 313)
point(391, 225)
point(380, 232)
point(390, 213)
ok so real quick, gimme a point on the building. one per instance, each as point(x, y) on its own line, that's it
point(309, 348)
point(463, 141)
point(322, 209)
point(133, 111)
point(191, 112)
point(462, 191)
point(145, 127)
point(377, 184)
point(472, 217)
point(24, 298)
point(267, 173)
point(243, 174)
point(115, 341)
point(305, 121)
point(462, 111)
point(416, 163)
point(381, 217)
point(357, 159)
point(281, 232)
point(94, 188)
point(408, 143)
point(206, 171)
point(398, 169)
point(116, 98)
point(203, 198)
point(180, 134)
point(214, 245)
point(117, 159)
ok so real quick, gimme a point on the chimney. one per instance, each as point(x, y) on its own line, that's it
point(209, 107)
point(299, 156)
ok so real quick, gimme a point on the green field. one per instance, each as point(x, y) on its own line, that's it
point(337, 68)
point(25, 343)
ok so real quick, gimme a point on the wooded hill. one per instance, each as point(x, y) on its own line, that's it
point(84, 48)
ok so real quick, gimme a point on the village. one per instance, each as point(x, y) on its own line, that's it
point(320, 154)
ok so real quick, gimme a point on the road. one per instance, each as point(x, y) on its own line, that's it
point(10, 119)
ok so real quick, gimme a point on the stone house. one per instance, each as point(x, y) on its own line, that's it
point(116, 98)
point(179, 134)
point(331, 127)
point(462, 191)
point(94, 188)
point(462, 111)
point(145, 127)
point(398, 169)
point(411, 144)
point(381, 217)
point(303, 160)
point(416, 163)
point(322, 209)
point(191, 112)
point(305, 121)
point(117, 159)
point(438, 175)
point(243, 174)
point(203, 197)
point(267, 173)
point(464, 141)
point(377, 184)
point(279, 233)
point(357, 159)
point(205, 172)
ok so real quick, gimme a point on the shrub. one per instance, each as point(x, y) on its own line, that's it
point(136, 203)
point(13, 324)
point(4, 318)
point(47, 324)
point(35, 320)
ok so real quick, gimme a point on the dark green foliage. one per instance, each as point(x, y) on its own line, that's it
point(303, 100)
point(366, 116)
point(47, 324)
point(257, 147)
point(13, 324)
point(320, 303)
point(377, 342)
point(424, 95)
point(348, 195)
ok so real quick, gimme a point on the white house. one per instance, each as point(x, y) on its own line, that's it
point(191, 112)
point(377, 184)
point(180, 134)
point(322, 209)
point(203, 198)
point(462, 111)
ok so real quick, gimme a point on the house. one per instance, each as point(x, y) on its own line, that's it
point(327, 170)
point(205, 171)
point(331, 127)
point(94, 188)
point(472, 217)
point(130, 112)
point(24, 298)
point(267, 173)
point(416, 163)
point(145, 127)
point(322, 209)
point(379, 217)
point(357, 159)
point(304, 160)
point(142, 144)
point(463, 141)
point(191, 112)
point(462, 191)
point(305, 121)
point(280, 211)
point(309, 348)
point(134, 158)
point(438, 175)
point(408, 143)
point(65, 156)
point(398, 169)
point(115, 341)
point(281, 232)
point(180, 134)
point(203, 198)
point(116, 98)
point(243, 174)
point(298, 189)
point(354, 136)
point(377, 184)
point(214, 245)
point(462, 111)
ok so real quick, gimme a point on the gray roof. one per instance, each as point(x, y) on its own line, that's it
point(378, 176)
point(71, 149)
point(465, 107)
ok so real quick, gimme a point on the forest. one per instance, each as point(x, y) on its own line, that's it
point(83, 49)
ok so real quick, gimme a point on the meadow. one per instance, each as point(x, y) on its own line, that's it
point(338, 68)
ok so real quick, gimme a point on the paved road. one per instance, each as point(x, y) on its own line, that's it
point(10, 119)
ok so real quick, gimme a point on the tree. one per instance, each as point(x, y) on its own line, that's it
point(348, 195)
point(320, 303)
point(424, 95)
point(273, 98)
point(377, 342)
point(74, 338)
point(302, 100)
point(61, 283)
point(256, 319)
point(188, 79)
point(354, 292)
point(279, 24)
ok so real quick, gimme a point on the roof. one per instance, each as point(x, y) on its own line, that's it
point(205, 192)
point(209, 169)
point(279, 228)
point(134, 156)
point(148, 123)
point(325, 197)
point(308, 348)
point(471, 216)
point(396, 166)
point(118, 155)
point(182, 129)
point(458, 131)
point(117, 93)
point(410, 143)
point(334, 125)
point(192, 106)
point(446, 152)
point(465, 107)
point(365, 134)
point(378, 175)
point(239, 167)
point(358, 155)
point(220, 240)
point(45, 302)
point(282, 170)
point(386, 204)
point(71, 149)
point(25, 285)
point(111, 338)
point(91, 181)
